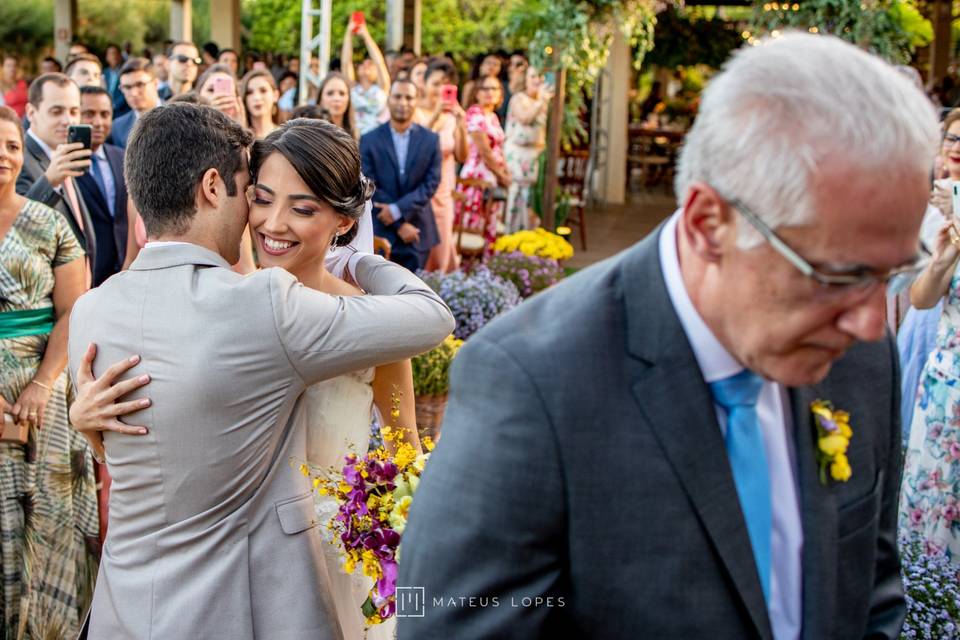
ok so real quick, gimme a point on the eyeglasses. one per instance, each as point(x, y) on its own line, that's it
point(489, 88)
point(861, 281)
point(139, 86)
point(182, 59)
point(949, 139)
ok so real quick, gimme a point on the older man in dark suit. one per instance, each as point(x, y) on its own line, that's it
point(103, 188)
point(403, 159)
point(635, 454)
point(50, 165)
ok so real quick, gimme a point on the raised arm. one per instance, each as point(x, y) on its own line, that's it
point(325, 336)
point(934, 282)
point(383, 74)
point(346, 55)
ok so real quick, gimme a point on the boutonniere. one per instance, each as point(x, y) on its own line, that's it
point(833, 439)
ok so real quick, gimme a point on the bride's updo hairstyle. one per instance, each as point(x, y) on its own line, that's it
point(327, 159)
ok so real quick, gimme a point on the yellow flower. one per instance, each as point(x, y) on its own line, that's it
point(398, 517)
point(304, 469)
point(834, 444)
point(371, 566)
point(405, 455)
point(840, 468)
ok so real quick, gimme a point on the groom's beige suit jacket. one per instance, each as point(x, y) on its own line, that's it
point(212, 532)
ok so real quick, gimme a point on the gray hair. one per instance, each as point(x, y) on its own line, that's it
point(779, 109)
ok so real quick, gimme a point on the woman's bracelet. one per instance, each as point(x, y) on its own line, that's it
point(42, 386)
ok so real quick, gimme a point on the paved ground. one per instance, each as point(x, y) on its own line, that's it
point(616, 227)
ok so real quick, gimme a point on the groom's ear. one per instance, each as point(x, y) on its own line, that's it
point(212, 188)
point(707, 222)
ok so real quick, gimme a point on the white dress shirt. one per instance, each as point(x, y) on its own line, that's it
point(773, 411)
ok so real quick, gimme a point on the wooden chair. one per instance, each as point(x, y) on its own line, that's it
point(572, 182)
point(471, 241)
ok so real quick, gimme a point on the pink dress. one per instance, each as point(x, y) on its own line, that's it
point(443, 257)
point(470, 211)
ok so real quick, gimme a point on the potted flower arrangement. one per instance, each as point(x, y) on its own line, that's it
point(931, 585)
point(529, 273)
point(535, 242)
point(431, 383)
point(475, 298)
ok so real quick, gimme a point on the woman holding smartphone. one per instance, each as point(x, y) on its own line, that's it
point(442, 114)
point(526, 138)
point(930, 495)
point(48, 500)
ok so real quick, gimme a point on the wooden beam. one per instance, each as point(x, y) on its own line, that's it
point(64, 27)
point(942, 17)
point(554, 131)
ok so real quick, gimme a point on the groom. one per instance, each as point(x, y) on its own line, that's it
point(212, 529)
point(633, 454)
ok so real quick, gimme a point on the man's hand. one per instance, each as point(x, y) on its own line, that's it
point(96, 409)
point(408, 233)
point(385, 215)
point(67, 161)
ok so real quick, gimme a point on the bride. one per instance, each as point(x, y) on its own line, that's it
point(306, 199)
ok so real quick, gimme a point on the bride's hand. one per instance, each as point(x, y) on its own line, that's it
point(96, 409)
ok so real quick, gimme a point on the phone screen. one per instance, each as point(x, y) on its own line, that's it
point(448, 93)
point(956, 199)
point(80, 133)
point(223, 86)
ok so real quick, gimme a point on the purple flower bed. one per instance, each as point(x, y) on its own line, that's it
point(474, 299)
point(530, 274)
point(932, 587)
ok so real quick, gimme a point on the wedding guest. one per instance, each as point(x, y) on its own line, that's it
point(517, 72)
point(484, 66)
point(48, 519)
point(184, 64)
point(76, 49)
point(370, 81)
point(931, 487)
point(50, 164)
point(230, 58)
point(418, 72)
point(102, 188)
point(260, 97)
point(85, 70)
point(219, 86)
point(141, 90)
point(209, 53)
point(111, 79)
point(335, 98)
point(13, 88)
point(485, 162)
point(525, 139)
point(289, 87)
point(707, 346)
point(50, 65)
point(161, 66)
point(448, 120)
point(403, 159)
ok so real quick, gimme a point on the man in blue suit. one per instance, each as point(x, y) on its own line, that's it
point(102, 187)
point(139, 86)
point(403, 159)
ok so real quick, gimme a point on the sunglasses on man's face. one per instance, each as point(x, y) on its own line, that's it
point(182, 59)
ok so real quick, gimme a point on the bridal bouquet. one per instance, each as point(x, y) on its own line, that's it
point(374, 493)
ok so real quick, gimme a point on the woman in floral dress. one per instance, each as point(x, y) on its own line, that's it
point(48, 504)
point(930, 496)
point(485, 161)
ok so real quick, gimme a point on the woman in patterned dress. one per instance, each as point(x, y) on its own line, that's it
point(485, 161)
point(930, 496)
point(526, 138)
point(48, 502)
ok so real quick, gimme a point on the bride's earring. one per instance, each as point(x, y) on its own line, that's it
point(333, 242)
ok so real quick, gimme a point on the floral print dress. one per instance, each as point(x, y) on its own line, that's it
point(470, 214)
point(930, 496)
point(525, 142)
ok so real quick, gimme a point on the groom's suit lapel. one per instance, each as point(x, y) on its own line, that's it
point(818, 512)
point(678, 406)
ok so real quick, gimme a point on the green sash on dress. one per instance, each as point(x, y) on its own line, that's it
point(32, 322)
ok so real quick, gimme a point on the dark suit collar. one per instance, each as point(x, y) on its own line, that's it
point(36, 150)
point(678, 406)
point(176, 255)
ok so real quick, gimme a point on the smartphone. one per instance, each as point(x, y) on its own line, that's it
point(448, 93)
point(358, 20)
point(956, 199)
point(550, 78)
point(80, 133)
point(223, 85)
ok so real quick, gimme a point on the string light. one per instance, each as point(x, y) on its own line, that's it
point(746, 35)
point(548, 50)
point(814, 30)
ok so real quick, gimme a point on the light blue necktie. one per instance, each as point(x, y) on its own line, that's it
point(748, 460)
point(98, 178)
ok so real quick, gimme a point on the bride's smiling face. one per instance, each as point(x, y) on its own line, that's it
point(292, 227)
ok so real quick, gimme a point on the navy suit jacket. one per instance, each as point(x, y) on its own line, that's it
point(412, 192)
point(122, 127)
point(111, 232)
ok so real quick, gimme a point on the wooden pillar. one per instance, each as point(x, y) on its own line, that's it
point(614, 120)
point(940, 49)
point(225, 27)
point(181, 20)
point(64, 27)
point(394, 24)
point(554, 130)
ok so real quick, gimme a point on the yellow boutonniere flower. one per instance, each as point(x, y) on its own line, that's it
point(834, 433)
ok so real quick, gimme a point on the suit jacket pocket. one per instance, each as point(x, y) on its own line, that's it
point(296, 514)
point(861, 513)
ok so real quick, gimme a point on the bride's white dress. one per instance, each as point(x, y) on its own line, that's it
point(338, 414)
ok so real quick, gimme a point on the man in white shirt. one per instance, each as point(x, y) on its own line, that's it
point(636, 454)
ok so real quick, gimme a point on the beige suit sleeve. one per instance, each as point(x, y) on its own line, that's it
point(326, 336)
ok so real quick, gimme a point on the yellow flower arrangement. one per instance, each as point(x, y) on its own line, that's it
point(535, 242)
point(834, 434)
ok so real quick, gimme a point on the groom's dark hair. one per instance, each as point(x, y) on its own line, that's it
point(169, 150)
